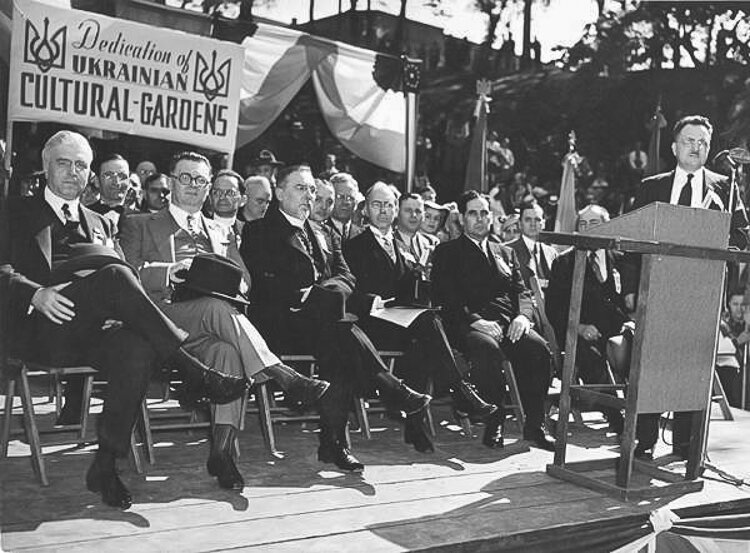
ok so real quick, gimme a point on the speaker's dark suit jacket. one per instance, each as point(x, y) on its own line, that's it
point(470, 287)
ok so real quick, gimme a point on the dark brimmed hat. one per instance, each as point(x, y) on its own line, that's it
point(328, 306)
point(217, 276)
point(85, 258)
point(266, 157)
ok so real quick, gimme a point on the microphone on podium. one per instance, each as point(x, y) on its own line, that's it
point(735, 156)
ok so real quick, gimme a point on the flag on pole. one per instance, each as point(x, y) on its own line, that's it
point(476, 168)
point(655, 125)
point(565, 221)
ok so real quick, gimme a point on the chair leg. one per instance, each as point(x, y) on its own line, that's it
point(430, 420)
point(719, 396)
point(135, 453)
point(32, 432)
point(148, 437)
point(360, 409)
point(515, 396)
point(264, 413)
point(58, 395)
point(88, 386)
point(7, 417)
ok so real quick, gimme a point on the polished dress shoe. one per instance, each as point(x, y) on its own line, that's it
point(301, 389)
point(467, 400)
point(398, 393)
point(221, 460)
point(644, 453)
point(102, 478)
point(216, 386)
point(539, 438)
point(416, 434)
point(493, 433)
point(339, 456)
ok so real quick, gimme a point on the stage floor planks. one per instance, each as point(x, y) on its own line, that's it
point(464, 497)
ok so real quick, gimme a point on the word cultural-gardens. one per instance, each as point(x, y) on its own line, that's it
point(156, 107)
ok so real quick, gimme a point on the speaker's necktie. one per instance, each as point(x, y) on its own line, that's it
point(686, 195)
point(597, 267)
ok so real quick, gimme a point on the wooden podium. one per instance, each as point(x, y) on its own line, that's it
point(677, 320)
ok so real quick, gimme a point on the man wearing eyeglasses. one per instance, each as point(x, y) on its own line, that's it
point(301, 287)
point(161, 247)
point(156, 193)
point(226, 200)
point(345, 202)
point(114, 183)
point(692, 185)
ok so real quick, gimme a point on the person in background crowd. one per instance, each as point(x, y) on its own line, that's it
point(162, 247)
point(114, 183)
point(257, 192)
point(428, 193)
point(265, 165)
point(415, 246)
point(348, 197)
point(510, 229)
point(144, 170)
point(31, 184)
point(734, 325)
point(91, 193)
point(227, 199)
point(101, 317)
point(381, 272)
point(324, 201)
point(134, 195)
point(330, 167)
point(299, 295)
point(435, 217)
point(156, 196)
point(487, 312)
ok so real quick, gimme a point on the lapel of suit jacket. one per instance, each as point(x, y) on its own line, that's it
point(162, 231)
point(524, 255)
point(548, 254)
point(88, 222)
point(43, 219)
point(497, 259)
point(664, 193)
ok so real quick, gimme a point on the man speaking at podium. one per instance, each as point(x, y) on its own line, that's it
point(692, 185)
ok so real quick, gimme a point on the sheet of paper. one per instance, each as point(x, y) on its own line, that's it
point(402, 316)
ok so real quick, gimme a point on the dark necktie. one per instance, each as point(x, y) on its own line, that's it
point(70, 224)
point(306, 242)
point(388, 247)
point(686, 195)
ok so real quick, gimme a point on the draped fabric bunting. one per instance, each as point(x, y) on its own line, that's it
point(359, 91)
point(566, 206)
point(655, 125)
point(476, 167)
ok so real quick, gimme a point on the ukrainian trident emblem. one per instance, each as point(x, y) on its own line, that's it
point(211, 80)
point(44, 50)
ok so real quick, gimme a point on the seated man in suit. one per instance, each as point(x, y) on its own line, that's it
point(227, 200)
point(114, 183)
point(487, 313)
point(67, 302)
point(257, 191)
point(382, 272)
point(605, 327)
point(414, 245)
point(161, 246)
point(534, 257)
point(294, 269)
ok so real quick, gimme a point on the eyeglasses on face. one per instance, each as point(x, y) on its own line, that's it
point(230, 193)
point(382, 206)
point(345, 198)
point(186, 179)
point(68, 164)
point(692, 143)
point(115, 176)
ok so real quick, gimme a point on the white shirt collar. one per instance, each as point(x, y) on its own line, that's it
point(680, 178)
point(530, 243)
point(379, 235)
point(294, 221)
point(225, 221)
point(180, 216)
point(56, 203)
point(481, 245)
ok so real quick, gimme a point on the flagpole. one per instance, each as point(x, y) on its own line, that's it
point(411, 75)
point(8, 157)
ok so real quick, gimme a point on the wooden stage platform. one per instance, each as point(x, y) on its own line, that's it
point(464, 497)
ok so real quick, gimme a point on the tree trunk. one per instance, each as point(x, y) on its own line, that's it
point(526, 52)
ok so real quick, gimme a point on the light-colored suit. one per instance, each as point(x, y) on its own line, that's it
point(220, 336)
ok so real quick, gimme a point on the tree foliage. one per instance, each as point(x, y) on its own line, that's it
point(660, 35)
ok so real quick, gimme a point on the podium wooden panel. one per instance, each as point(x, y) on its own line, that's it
point(672, 360)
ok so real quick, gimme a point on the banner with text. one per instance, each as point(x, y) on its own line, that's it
point(86, 69)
